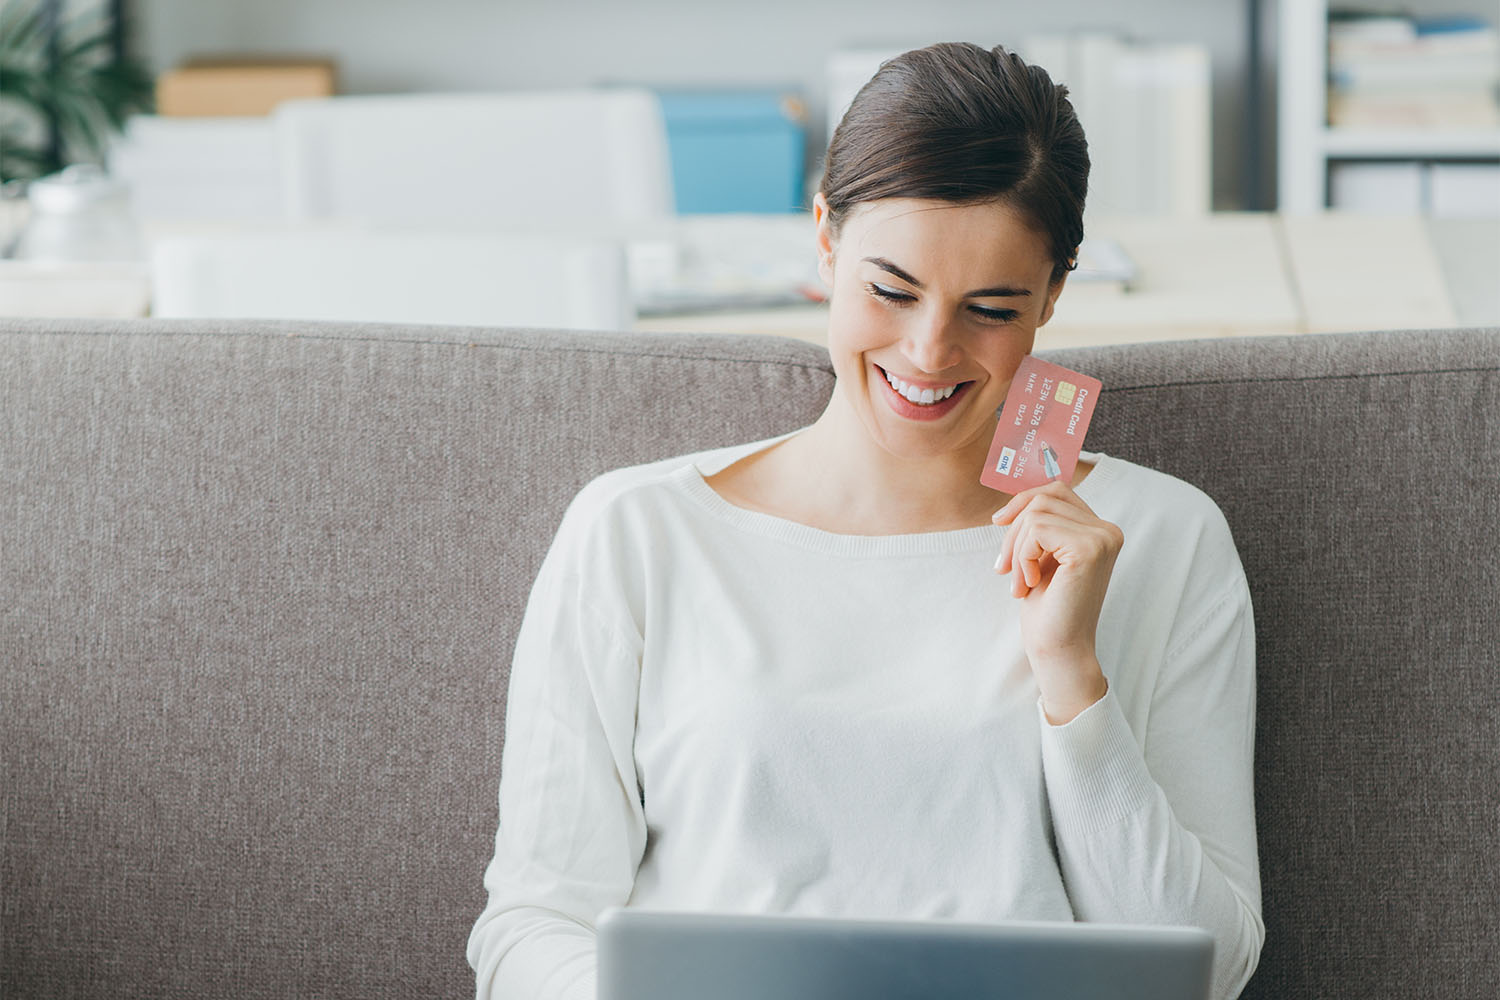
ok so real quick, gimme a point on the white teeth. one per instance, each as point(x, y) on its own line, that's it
point(922, 397)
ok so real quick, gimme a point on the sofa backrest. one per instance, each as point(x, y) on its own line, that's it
point(258, 589)
point(1360, 475)
point(259, 584)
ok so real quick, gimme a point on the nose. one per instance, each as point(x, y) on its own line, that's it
point(932, 344)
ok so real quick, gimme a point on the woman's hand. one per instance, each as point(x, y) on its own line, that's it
point(1059, 554)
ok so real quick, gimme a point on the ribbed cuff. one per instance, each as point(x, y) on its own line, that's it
point(1095, 771)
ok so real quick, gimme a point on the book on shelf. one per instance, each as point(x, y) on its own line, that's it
point(1397, 71)
point(1415, 111)
point(1146, 109)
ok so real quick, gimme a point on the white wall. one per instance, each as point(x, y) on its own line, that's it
point(396, 45)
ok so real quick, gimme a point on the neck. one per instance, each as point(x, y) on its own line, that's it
point(877, 492)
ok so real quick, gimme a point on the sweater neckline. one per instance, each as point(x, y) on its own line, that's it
point(689, 479)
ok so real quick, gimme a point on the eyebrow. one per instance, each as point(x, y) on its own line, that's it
point(999, 291)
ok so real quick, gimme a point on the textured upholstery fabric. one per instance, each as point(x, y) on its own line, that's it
point(259, 583)
point(1359, 474)
point(258, 587)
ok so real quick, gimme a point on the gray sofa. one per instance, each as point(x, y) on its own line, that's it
point(259, 584)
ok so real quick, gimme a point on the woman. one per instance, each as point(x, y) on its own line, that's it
point(792, 676)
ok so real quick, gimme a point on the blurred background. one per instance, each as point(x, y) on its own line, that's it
point(1276, 166)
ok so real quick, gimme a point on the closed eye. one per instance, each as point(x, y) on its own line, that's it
point(902, 298)
point(995, 315)
point(889, 294)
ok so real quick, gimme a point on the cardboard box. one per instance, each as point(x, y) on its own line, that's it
point(241, 86)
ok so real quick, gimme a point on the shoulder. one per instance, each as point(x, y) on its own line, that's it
point(621, 488)
point(605, 494)
point(1152, 500)
point(651, 497)
point(1178, 586)
point(618, 525)
point(1170, 525)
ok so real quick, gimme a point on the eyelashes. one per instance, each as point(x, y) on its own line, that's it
point(902, 298)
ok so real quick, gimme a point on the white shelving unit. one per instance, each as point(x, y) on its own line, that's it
point(1305, 143)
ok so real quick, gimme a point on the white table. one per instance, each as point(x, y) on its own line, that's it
point(1239, 274)
point(1220, 275)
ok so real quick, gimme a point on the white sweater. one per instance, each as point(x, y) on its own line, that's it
point(712, 708)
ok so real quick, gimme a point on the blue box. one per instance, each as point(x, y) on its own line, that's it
point(735, 151)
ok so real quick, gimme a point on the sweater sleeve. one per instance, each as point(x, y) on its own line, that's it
point(1161, 830)
point(572, 825)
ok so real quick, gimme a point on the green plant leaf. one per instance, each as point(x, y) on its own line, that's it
point(81, 88)
point(21, 29)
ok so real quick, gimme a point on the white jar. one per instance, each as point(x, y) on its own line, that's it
point(78, 214)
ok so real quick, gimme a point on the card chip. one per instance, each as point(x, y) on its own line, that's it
point(1065, 392)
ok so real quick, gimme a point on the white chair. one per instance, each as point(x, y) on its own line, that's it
point(387, 275)
point(506, 159)
point(194, 169)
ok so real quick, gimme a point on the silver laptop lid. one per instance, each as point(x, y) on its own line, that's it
point(654, 955)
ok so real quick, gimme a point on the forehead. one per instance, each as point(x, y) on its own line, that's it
point(938, 239)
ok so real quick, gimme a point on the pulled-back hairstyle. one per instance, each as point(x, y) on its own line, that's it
point(963, 124)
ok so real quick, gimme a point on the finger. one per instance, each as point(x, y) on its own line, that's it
point(1046, 565)
point(1068, 544)
point(1044, 520)
point(1002, 562)
point(1058, 497)
point(1030, 555)
point(1060, 515)
point(1013, 507)
point(1025, 570)
point(1008, 543)
point(1022, 545)
point(1046, 540)
point(1037, 507)
point(1057, 490)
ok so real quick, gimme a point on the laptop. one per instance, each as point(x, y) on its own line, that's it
point(657, 955)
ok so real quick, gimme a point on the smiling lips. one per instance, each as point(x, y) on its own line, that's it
point(920, 396)
point(921, 402)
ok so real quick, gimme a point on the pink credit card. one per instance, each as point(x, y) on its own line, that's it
point(1042, 424)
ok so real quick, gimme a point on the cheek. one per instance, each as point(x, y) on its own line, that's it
point(1005, 357)
point(857, 321)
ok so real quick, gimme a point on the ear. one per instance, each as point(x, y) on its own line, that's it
point(823, 239)
point(1052, 295)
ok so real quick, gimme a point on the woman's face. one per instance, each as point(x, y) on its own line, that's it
point(933, 306)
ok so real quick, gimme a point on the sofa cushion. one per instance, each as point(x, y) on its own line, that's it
point(259, 584)
point(258, 588)
point(1359, 476)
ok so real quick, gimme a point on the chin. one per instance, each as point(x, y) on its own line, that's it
point(918, 443)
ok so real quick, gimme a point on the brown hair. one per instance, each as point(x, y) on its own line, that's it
point(959, 123)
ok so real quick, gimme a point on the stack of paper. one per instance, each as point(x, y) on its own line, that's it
point(1395, 71)
point(1146, 110)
